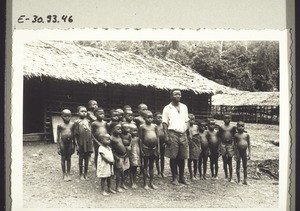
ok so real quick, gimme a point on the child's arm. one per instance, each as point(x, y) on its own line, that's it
point(158, 141)
point(235, 147)
point(58, 139)
point(105, 157)
point(76, 131)
point(249, 147)
point(141, 135)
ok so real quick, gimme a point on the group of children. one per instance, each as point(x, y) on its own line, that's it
point(127, 143)
point(228, 141)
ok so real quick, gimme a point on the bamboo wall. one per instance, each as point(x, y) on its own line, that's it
point(51, 96)
point(250, 114)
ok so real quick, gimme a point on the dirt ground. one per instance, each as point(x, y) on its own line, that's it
point(44, 187)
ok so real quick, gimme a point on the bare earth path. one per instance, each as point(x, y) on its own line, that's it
point(44, 187)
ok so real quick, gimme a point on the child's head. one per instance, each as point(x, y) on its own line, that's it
point(99, 113)
point(116, 128)
point(125, 127)
point(240, 126)
point(148, 116)
point(202, 126)
point(133, 130)
point(121, 113)
point(158, 117)
point(114, 115)
point(127, 108)
point(227, 119)
point(211, 124)
point(128, 114)
point(105, 140)
point(142, 108)
point(66, 115)
point(82, 112)
point(191, 118)
point(92, 104)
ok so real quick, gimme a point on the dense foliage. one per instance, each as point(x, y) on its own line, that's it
point(245, 65)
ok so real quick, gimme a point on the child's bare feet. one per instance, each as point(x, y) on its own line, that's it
point(175, 182)
point(146, 187)
point(104, 193)
point(124, 187)
point(204, 177)
point(81, 177)
point(65, 178)
point(183, 182)
point(196, 178)
point(120, 190)
point(134, 186)
point(69, 178)
point(111, 191)
point(238, 182)
point(153, 186)
point(163, 175)
point(245, 182)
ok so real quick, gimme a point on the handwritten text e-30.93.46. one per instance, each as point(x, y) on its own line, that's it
point(47, 19)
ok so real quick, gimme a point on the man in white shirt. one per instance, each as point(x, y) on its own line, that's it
point(175, 124)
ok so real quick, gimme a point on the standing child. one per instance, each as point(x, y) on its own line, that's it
point(149, 138)
point(194, 147)
point(127, 108)
point(135, 155)
point(126, 138)
point(105, 164)
point(114, 117)
point(121, 115)
point(162, 144)
point(92, 105)
point(65, 142)
point(226, 133)
point(242, 143)
point(83, 137)
point(99, 129)
point(203, 133)
point(139, 120)
point(119, 151)
point(128, 117)
point(214, 146)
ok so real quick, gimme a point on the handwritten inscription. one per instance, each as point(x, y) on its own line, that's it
point(46, 19)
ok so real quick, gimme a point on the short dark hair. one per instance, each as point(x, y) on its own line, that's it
point(80, 107)
point(98, 109)
point(173, 90)
point(156, 114)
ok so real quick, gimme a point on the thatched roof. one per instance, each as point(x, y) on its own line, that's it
point(73, 62)
point(247, 99)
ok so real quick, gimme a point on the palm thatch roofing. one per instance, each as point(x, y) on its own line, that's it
point(247, 99)
point(73, 62)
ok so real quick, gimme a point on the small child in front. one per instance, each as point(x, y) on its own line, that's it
point(214, 147)
point(149, 138)
point(242, 143)
point(194, 147)
point(120, 153)
point(226, 133)
point(161, 157)
point(203, 133)
point(135, 155)
point(65, 142)
point(99, 129)
point(105, 164)
point(84, 144)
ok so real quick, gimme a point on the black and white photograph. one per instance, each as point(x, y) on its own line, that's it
point(150, 119)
